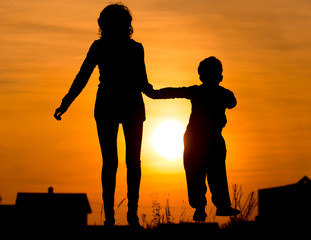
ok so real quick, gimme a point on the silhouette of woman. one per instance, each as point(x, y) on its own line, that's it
point(123, 77)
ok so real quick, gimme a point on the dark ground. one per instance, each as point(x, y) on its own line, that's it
point(191, 231)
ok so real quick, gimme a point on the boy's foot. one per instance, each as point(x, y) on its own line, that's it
point(229, 211)
point(199, 215)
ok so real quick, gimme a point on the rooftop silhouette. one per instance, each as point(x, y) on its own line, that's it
point(46, 211)
point(287, 205)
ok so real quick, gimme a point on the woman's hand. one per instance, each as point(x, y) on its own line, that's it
point(59, 112)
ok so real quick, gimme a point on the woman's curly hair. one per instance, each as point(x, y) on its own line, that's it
point(115, 21)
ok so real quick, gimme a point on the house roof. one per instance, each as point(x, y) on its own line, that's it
point(304, 180)
point(303, 183)
point(57, 201)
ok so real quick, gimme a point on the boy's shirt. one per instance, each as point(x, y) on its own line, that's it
point(208, 105)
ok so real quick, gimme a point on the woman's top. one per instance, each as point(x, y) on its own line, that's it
point(122, 79)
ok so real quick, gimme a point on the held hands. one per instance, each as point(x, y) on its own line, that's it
point(149, 91)
point(59, 112)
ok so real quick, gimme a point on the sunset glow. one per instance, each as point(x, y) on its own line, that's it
point(265, 50)
point(167, 140)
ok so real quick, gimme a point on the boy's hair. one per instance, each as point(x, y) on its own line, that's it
point(210, 66)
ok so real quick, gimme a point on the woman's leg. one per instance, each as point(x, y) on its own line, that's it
point(107, 134)
point(133, 138)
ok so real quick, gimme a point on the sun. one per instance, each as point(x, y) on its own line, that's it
point(167, 140)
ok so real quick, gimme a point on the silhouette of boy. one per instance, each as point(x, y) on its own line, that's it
point(204, 146)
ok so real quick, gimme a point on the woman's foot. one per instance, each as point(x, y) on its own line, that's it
point(199, 215)
point(109, 218)
point(133, 219)
point(228, 211)
point(109, 222)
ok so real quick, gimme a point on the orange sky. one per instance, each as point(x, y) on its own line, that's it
point(265, 49)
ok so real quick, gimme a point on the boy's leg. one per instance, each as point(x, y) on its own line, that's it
point(196, 187)
point(217, 176)
point(195, 174)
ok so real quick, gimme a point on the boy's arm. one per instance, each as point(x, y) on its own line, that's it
point(166, 93)
point(231, 100)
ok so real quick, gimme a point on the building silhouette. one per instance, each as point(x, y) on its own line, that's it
point(48, 211)
point(286, 206)
point(7, 216)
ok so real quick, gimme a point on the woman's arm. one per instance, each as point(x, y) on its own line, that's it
point(142, 73)
point(79, 82)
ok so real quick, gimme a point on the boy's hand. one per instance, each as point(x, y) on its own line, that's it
point(59, 112)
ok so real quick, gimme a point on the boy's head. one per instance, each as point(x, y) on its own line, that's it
point(210, 70)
